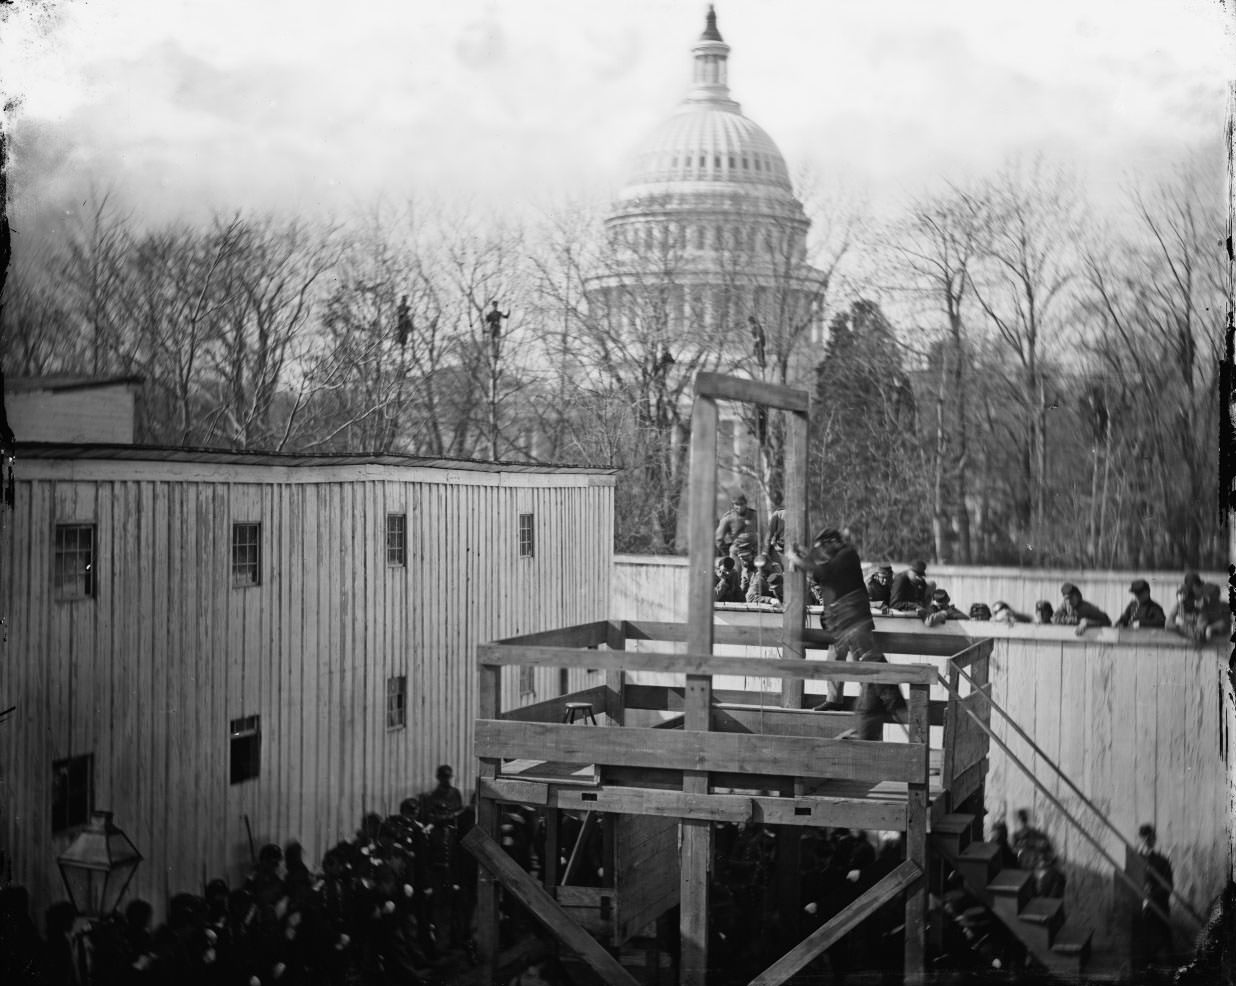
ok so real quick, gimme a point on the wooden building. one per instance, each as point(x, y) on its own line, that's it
point(195, 639)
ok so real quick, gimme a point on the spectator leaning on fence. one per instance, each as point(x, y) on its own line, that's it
point(1075, 611)
point(1143, 613)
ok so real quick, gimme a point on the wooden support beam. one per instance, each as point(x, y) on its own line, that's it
point(781, 722)
point(580, 635)
point(694, 663)
point(913, 639)
point(695, 858)
point(717, 385)
point(616, 681)
point(576, 859)
point(489, 688)
point(902, 878)
point(814, 810)
point(916, 838)
point(551, 709)
point(544, 908)
point(699, 750)
point(795, 584)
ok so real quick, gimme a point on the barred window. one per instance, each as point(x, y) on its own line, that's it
point(72, 792)
point(246, 555)
point(397, 701)
point(245, 749)
point(73, 569)
point(527, 679)
point(527, 536)
point(397, 540)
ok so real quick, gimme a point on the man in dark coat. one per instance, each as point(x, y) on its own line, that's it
point(1152, 935)
point(836, 567)
point(1075, 611)
point(879, 586)
point(737, 534)
point(909, 590)
point(1143, 612)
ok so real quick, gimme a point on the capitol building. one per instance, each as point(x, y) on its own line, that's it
point(706, 236)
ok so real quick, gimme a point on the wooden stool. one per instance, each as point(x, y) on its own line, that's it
point(578, 712)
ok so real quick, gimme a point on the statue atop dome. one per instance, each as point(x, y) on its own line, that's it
point(710, 26)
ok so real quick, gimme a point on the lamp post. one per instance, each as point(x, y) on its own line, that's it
point(98, 866)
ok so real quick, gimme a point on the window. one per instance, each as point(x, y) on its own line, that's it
point(397, 539)
point(527, 536)
point(246, 749)
point(246, 554)
point(73, 569)
point(527, 679)
point(72, 792)
point(397, 701)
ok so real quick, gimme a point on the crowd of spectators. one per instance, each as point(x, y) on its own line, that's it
point(391, 905)
point(748, 572)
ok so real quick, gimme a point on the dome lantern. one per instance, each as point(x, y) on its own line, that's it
point(711, 58)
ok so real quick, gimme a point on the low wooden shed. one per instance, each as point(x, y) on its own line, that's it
point(207, 642)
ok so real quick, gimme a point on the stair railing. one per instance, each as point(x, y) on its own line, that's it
point(1119, 869)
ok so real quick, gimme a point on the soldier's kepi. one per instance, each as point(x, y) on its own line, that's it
point(835, 565)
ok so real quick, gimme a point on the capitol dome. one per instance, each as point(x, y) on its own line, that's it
point(707, 221)
point(708, 149)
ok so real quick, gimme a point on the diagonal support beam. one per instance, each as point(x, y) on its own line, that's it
point(825, 936)
point(544, 908)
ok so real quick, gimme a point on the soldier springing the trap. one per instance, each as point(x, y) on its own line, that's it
point(834, 564)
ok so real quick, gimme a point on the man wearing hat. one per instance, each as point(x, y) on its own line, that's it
point(1151, 934)
point(879, 587)
point(737, 534)
point(836, 567)
point(942, 609)
point(1188, 601)
point(1143, 612)
point(909, 592)
point(1075, 611)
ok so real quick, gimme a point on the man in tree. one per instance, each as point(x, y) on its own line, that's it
point(1143, 612)
point(836, 567)
point(737, 534)
point(493, 324)
point(1075, 611)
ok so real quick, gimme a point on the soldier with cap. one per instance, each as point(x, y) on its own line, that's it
point(1151, 934)
point(879, 587)
point(942, 609)
point(1075, 611)
point(1188, 601)
point(836, 568)
point(737, 534)
point(1143, 613)
point(909, 592)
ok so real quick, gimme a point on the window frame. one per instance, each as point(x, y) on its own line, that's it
point(526, 525)
point(396, 711)
point(239, 579)
point(527, 680)
point(85, 582)
point(245, 729)
point(69, 820)
point(400, 559)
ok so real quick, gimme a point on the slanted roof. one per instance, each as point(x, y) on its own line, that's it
point(62, 382)
point(165, 453)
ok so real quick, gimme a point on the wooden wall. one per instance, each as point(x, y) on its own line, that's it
point(654, 587)
point(1138, 728)
point(148, 674)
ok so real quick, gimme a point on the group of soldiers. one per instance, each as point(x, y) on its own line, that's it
point(391, 905)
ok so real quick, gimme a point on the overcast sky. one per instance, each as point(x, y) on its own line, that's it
point(187, 107)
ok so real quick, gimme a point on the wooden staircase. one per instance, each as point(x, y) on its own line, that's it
point(1039, 923)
